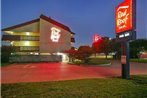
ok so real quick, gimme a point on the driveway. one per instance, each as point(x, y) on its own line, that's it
point(40, 72)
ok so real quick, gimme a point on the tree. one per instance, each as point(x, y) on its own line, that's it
point(96, 45)
point(137, 46)
point(106, 47)
point(83, 53)
point(116, 49)
point(72, 54)
point(95, 48)
point(6, 53)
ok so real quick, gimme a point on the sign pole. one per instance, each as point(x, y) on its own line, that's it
point(125, 31)
point(126, 65)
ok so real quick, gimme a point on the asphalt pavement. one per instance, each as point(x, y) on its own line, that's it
point(41, 72)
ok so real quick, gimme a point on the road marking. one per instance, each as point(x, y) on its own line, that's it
point(26, 66)
point(32, 66)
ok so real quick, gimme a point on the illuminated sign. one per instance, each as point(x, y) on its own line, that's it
point(96, 38)
point(124, 16)
point(55, 34)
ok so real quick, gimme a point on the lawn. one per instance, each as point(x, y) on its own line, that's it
point(84, 88)
point(139, 60)
point(5, 64)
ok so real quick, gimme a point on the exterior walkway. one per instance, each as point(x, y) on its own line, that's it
point(40, 72)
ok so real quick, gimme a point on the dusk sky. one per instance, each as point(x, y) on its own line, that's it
point(84, 17)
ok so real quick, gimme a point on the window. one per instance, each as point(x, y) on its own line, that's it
point(30, 38)
point(29, 48)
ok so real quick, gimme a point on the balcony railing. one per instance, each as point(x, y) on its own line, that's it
point(19, 38)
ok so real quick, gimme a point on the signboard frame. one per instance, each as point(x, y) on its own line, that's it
point(130, 33)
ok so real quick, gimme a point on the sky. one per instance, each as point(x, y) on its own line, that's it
point(84, 17)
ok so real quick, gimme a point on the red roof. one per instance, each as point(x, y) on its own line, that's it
point(37, 20)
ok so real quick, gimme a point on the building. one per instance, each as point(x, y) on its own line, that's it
point(42, 36)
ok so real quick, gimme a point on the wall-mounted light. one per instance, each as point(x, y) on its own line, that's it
point(12, 42)
point(27, 33)
point(27, 43)
point(10, 32)
point(31, 53)
point(36, 53)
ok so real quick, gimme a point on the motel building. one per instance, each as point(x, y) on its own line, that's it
point(42, 39)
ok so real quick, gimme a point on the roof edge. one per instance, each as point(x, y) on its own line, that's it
point(37, 20)
point(20, 25)
point(55, 22)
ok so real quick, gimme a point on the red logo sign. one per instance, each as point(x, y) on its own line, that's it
point(96, 38)
point(124, 16)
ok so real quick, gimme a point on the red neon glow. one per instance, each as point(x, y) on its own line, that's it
point(124, 16)
point(96, 38)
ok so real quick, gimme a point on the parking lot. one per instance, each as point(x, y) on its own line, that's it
point(40, 72)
